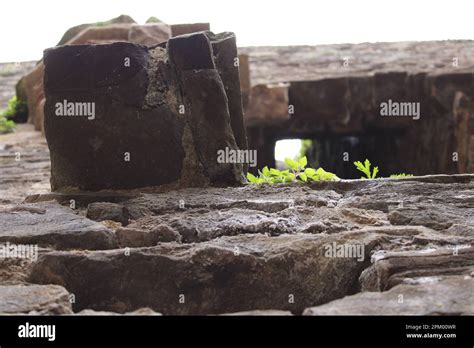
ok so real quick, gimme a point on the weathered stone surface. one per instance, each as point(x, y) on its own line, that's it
point(268, 105)
point(438, 218)
point(10, 76)
point(338, 106)
point(133, 237)
point(32, 86)
point(143, 97)
point(182, 29)
point(204, 214)
point(149, 34)
point(211, 105)
point(430, 281)
point(261, 313)
point(228, 274)
point(417, 203)
point(463, 114)
point(334, 98)
point(244, 75)
point(100, 211)
point(94, 34)
point(394, 268)
point(72, 32)
point(405, 256)
point(272, 64)
point(141, 311)
point(25, 166)
point(449, 295)
point(34, 299)
point(122, 28)
point(190, 224)
point(49, 224)
point(224, 48)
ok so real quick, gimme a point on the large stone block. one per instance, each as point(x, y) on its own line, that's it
point(181, 29)
point(34, 299)
point(122, 28)
point(266, 273)
point(123, 115)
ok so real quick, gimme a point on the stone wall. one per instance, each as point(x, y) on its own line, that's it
point(333, 94)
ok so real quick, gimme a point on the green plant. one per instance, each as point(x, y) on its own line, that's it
point(401, 175)
point(6, 126)
point(15, 106)
point(296, 171)
point(365, 168)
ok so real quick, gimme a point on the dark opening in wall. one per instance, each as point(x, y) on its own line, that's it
point(337, 153)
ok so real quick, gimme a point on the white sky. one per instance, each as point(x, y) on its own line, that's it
point(288, 148)
point(29, 26)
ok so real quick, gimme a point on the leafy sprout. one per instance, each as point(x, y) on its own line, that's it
point(401, 175)
point(6, 126)
point(15, 107)
point(365, 168)
point(296, 171)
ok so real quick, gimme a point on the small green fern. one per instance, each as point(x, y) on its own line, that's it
point(365, 168)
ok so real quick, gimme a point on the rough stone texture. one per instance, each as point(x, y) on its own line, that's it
point(72, 32)
point(49, 224)
point(393, 268)
point(224, 48)
point(141, 311)
point(30, 90)
point(274, 64)
point(268, 105)
point(181, 29)
point(433, 296)
point(418, 282)
point(149, 34)
point(34, 299)
point(10, 73)
point(100, 211)
point(249, 248)
point(263, 275)
point(419, 233)
point(25, 165)
point(338, 106)
point(141, 104)
point(122, 28)
point(16, 270)
point(268, 312)
point(463, 111)
point(134, 237)
point(244, 75)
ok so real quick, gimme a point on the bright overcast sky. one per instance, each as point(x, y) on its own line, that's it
point(29, 26)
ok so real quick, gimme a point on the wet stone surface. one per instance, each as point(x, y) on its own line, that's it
point(349, 247)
